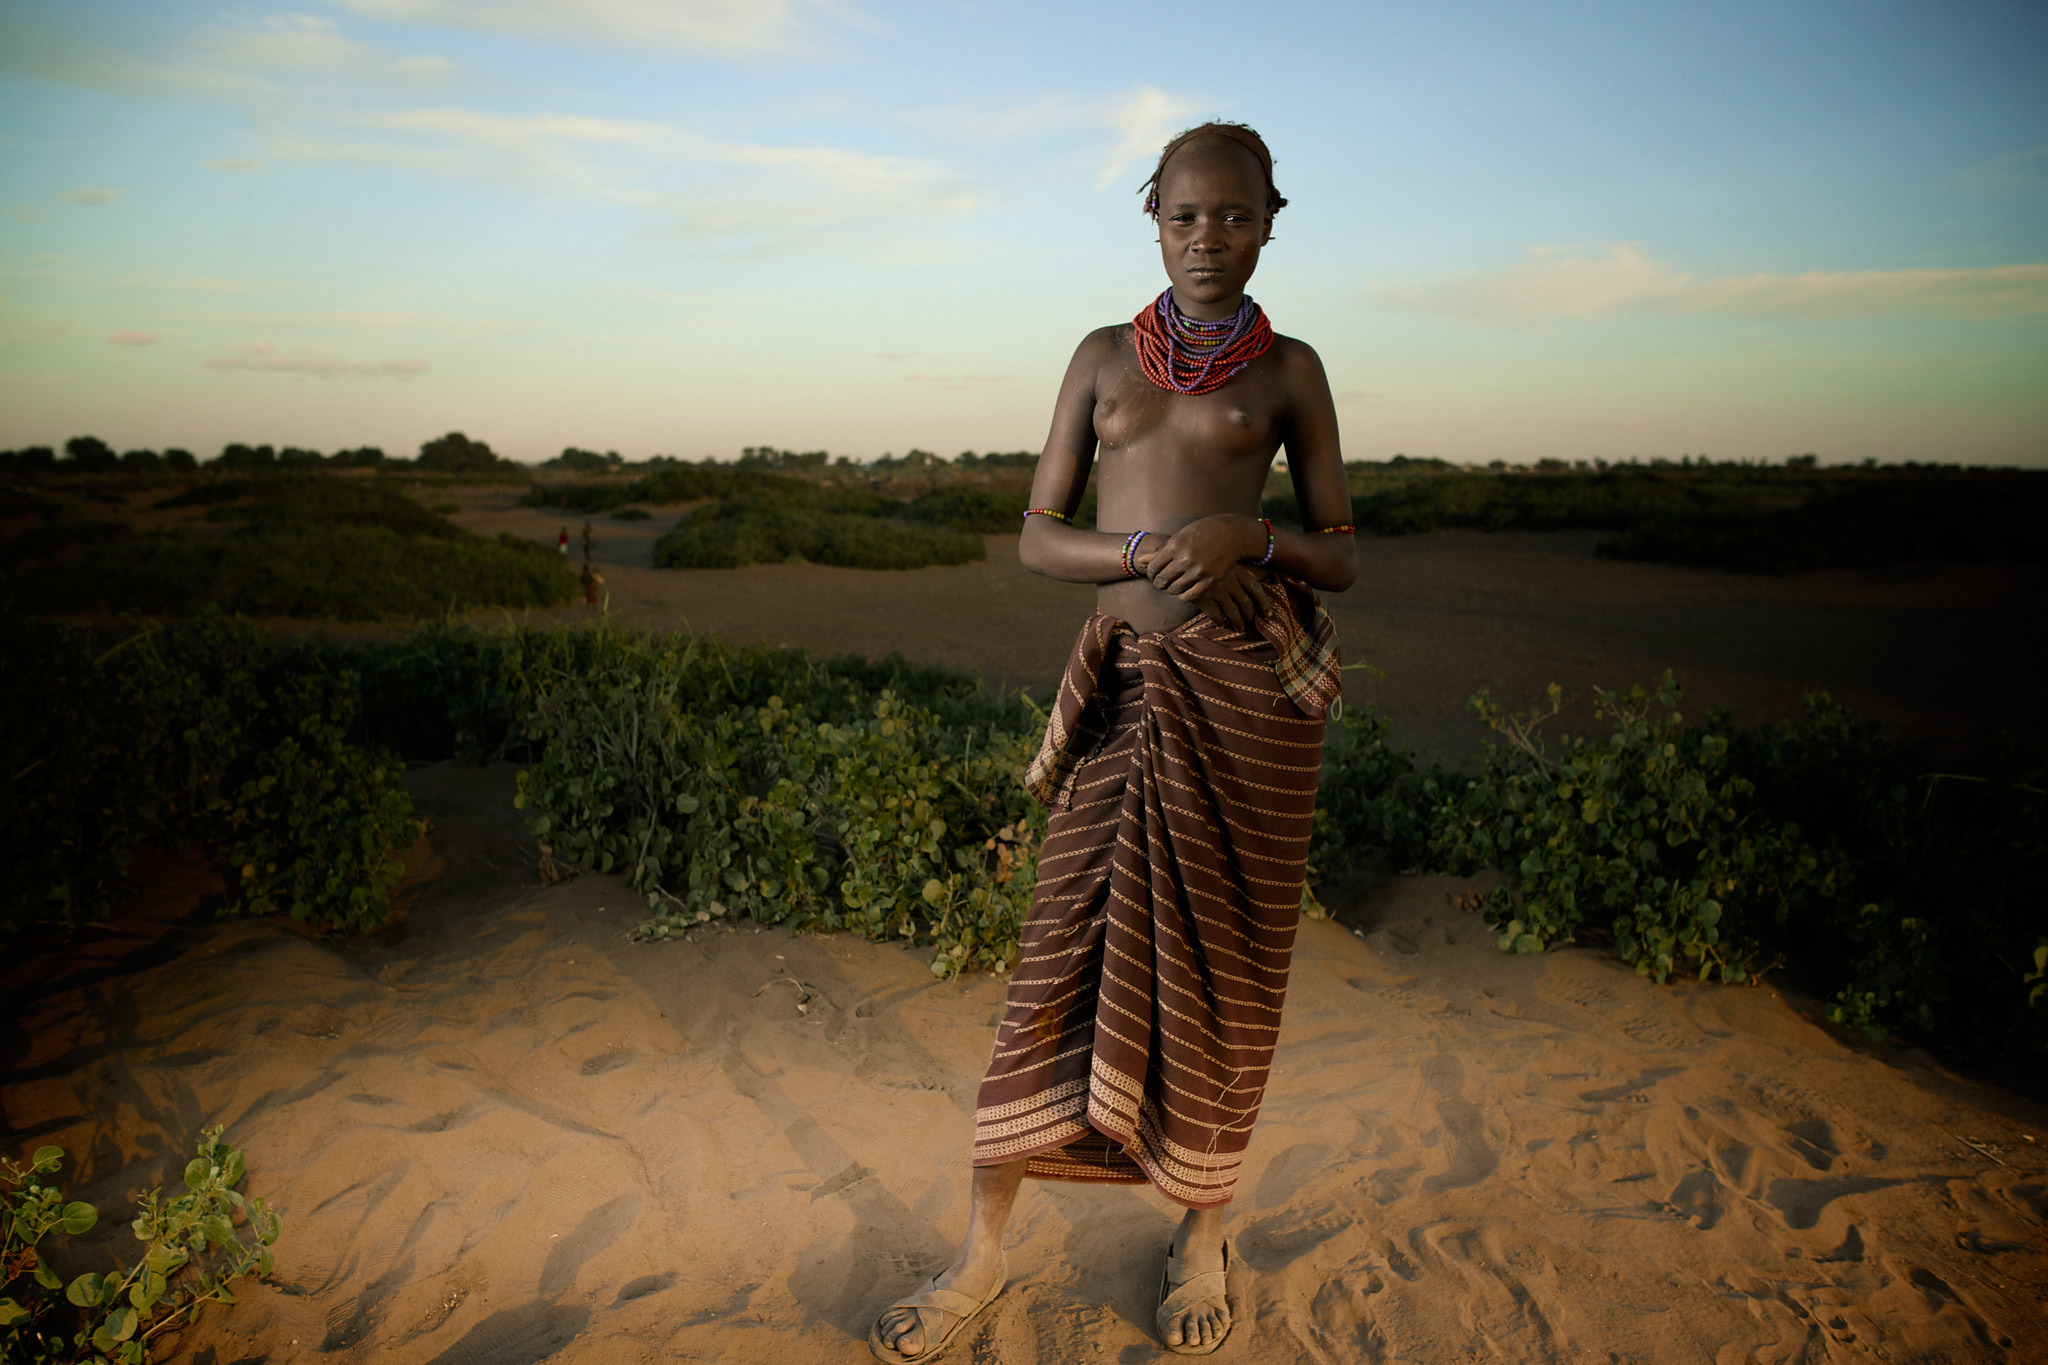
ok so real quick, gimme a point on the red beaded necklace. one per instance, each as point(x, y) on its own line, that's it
point(1180, 354)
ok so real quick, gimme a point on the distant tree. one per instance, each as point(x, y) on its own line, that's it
point(180, 461)
point(28, 460)
point(297, 457)
point(91, 455)
point(578, 461)
point(141, 461)
point(362, 457)
point(242, 459)
point(1801, 461)
point(456, 454)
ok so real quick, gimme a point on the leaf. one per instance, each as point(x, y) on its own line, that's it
point(46, 1158)
point(197, 1172)
point(119, 1326)
point(79, 1216)
point(85, 1291)
point(12, 1314)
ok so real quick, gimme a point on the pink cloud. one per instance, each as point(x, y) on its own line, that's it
point(266, 357)
point(134, 339)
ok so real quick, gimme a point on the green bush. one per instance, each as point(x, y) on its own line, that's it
point(211, 734)
point(342, 572)
point(1647, 834)
point(192, 1251)
point(847, 527)
point(1907, 899)
point(1934, 923)
point(825, 803)
point(967, 507)
point(632, 514)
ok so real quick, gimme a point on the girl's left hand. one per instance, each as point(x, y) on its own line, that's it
point(1195, 558)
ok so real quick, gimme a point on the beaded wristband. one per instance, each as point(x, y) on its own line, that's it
point(1131, 543)
point(1344, 530)
point(1052, 512)
point(1266, 558)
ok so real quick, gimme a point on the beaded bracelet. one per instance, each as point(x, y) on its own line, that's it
point(1052, 512)
point(1266, 558)
point(1344, 530)
point(1131, 543)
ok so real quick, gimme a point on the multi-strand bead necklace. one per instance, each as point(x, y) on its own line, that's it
point(1183, 355)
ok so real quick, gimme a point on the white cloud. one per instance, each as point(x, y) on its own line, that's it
point(292, 42)
point(721, 27)
point(134, 339)
point(1555, 285)
point(780, 196)
point(265, 357)
point(238, 165)
point(91, 196)
point(1140, 120)
point(1146, 118)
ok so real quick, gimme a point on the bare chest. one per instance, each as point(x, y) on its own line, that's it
point(1240, 419)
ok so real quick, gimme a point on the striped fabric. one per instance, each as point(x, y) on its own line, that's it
point(1146, 1001)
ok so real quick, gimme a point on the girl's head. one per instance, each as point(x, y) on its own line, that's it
point(1213, 198)
point(1221, 133)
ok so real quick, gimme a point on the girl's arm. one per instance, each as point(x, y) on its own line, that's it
point(1203, 554)
point(1049, 546)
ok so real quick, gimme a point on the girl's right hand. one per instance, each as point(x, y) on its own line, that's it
point(1235, 598)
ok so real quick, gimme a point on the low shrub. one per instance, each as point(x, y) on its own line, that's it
point(825, 803)
point(210, 734)
point(1905, 898)
point(632, 514)
point(846, 527)
point(341, 572)
point(306, 546)
point(192, 1250)
point(969, 507)
point(1647, 834)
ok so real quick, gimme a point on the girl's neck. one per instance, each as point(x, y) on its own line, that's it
point(1208, 312)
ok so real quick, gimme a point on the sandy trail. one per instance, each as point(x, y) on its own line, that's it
point(505, 1134)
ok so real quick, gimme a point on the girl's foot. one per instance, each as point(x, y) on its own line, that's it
point(903, 1329)
point(1202, 1323)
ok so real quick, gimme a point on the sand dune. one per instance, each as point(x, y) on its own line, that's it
point(506, 1134)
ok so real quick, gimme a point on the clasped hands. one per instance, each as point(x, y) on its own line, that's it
point(1204, 563)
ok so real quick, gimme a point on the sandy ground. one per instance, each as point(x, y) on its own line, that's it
point(506, 1134)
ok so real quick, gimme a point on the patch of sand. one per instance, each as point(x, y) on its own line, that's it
point(505, 1135)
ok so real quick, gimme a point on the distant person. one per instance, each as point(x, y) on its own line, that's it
point(562, 542)
point(592, 582)
point(1181, 759)
point(589, 538)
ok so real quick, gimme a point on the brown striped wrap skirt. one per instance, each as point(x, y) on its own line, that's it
point(1181, 768)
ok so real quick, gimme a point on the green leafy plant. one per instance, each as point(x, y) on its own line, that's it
point(829, 802)
point(194, 1246)
point(206, 733)
point(1647, 834)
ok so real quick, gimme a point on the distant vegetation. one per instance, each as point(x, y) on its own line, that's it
point(289, 545)
point(1743, 516)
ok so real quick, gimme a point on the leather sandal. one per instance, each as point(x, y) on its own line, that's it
point(1181, 1289)
point(931, 1306)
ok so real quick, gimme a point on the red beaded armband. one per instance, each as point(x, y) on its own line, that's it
point(1344, 530)
point(1266, 558)
point(1052, 512)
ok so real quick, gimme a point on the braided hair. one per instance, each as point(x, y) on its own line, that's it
point(1243, 136)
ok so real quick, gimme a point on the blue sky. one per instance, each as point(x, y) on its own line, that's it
point(684, 226)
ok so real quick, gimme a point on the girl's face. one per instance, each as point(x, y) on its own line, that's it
point(1212, 221)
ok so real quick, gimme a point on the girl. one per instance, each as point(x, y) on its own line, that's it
point(1181, 760)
